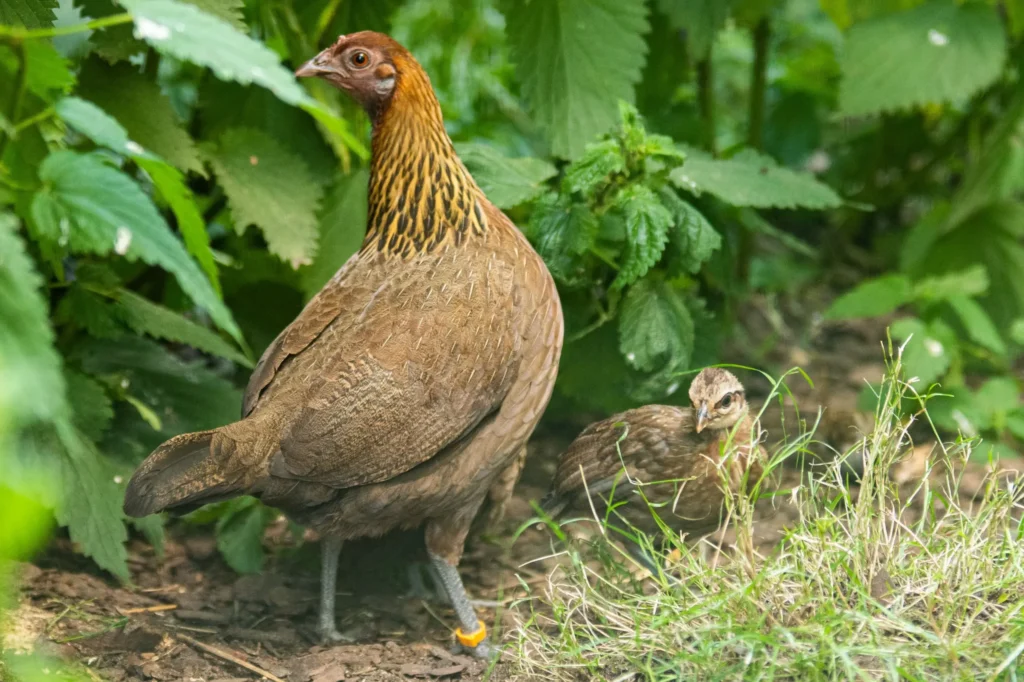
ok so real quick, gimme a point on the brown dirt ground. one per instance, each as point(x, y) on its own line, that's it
point(189, 617)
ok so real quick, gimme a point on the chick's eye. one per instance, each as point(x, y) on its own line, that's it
point(360, 58)
point(727, 401)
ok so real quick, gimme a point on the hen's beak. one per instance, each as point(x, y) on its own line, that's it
point(312, 68)
point(702, 417)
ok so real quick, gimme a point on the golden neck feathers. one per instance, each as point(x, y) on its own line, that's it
point(421, 196)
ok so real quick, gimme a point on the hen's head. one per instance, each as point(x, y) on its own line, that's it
point(718, 397)
point(367, 65)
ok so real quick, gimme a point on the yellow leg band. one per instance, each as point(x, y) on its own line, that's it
point(471, 641)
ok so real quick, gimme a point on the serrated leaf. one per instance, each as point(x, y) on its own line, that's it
point(270, 187)
point(928, 348)
point(142, 109)
point(91, 406)
point(28, 13)
point(240, 535)
point(978, 324)
point(109, 212)
point(752, 179)
point(599, 161)
point(86, 310)
point(701, 19)
point(692, 239)
point(561, 230)
point(970, 282)
point(152, 527)
point(871, 298)
point(647, 226)
point(655, 328)
point(342, 226)
point(575, 60)
point(32, 388)
point(228, 10)
point(941, 51)
point(146, 317)
point(507, 182)
point(90, 505)
point(48, 71)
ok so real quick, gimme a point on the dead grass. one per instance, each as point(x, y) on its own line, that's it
point(873, 581)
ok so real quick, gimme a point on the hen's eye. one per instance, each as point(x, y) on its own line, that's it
point(360, 58)
point(726, 401)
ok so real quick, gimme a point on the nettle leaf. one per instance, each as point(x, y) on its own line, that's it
point(928, 348)
point(647, 226)
point(342, 228)
point(562, 230)
point(269, 186)
point(872, 298)
point(139, 106)
point(655, 328)
point(752, 179)
point(576, 59)
point(28, 13)
point(146, 317)
point(970, 282)
point(701, 19)
point(48, 74)
point(507, 182)
point(33, 387)
point(91, 406)
point(692, 239)
point(591, 170)
point(240, 535)
point(228, 10)
point(101, 128)
point(941, 51)
point(977, 323)
point(106, 212)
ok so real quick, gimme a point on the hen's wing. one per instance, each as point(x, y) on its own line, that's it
point(388, 365)
point(634, 439)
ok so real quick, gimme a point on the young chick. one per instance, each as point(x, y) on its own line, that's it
point(672, 455)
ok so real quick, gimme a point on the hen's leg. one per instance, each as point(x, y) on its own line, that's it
point(418, 587)
point(445, 540)
point(330, 549)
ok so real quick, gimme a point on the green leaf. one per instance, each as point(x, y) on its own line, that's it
point(32, 388)
point(152, 527)
point(90, 505)
point(228, 10)
point(48, 74)
point(110, 212)
point(1017, 331)
point(91, 406)
point(240, 535)
point(845, 12)
point(978, 324)
point(591, 170)
point(146, 317)
point(998, 395)
point(562, 230)
point(507, 182)
point(941, 51)
point(872, 298)
point(342, 228)
point(1015, 14)
point(655, 328)
point(1015, 423)
point(141, 109)
point(970, 282)
point(701, 19)
point(647, 226)
point(28, 13)
point(575, 60)
point(692, 239)
point(270, 187)
point(928, 350)
point(82, 308)
point(752, 179)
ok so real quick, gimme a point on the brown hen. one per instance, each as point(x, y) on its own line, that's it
point(673, 455)
point(407, 387)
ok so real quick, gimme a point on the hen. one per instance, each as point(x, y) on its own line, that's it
point(406, 388)
point(672, 455)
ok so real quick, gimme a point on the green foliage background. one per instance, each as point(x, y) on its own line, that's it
point(170, 197)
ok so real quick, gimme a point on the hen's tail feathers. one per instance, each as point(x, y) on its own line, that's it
point(183, 474)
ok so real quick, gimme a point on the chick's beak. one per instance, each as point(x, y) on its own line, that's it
point(314, 67)
point(702, 417)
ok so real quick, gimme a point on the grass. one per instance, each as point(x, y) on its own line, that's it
point(871, 581)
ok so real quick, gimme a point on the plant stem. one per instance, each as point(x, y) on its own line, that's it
point(706, 100)
point(20, 80)
point(18, 33)
point(759, 82)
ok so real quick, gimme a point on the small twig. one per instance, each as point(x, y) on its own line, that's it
point(148, 609)
point(220, 653)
